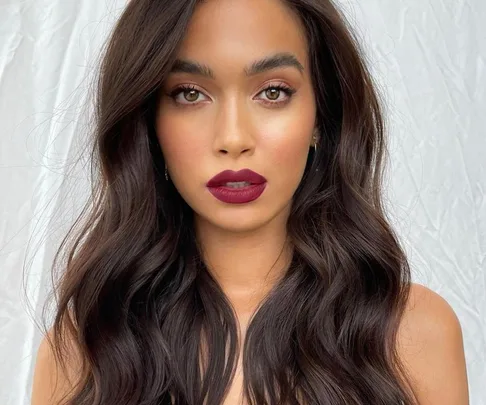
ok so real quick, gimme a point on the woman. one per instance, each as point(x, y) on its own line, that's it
point(237, 251)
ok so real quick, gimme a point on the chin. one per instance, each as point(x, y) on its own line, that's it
point(238, 222)
point(244, 218)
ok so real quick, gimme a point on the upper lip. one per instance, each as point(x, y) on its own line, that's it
point(227, 176)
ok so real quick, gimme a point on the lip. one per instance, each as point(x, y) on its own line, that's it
point(230, 176)
point(240, 195)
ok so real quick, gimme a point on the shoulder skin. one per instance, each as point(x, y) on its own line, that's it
point(430, 344)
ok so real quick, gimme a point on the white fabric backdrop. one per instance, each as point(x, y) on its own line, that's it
point(429, 57)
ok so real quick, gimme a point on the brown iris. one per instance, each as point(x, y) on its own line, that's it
point(193, 93)
point(272, 92)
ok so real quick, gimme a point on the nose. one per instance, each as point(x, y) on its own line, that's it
point(233, 132)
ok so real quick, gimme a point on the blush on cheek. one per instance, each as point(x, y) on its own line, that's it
point(186, 161)
point(289, 158)
point(180, 136)
point(168, 140)
point(292, 150)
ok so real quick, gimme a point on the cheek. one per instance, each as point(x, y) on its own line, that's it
point(288, 160)
point(181, 143)
point(287, 146)
point(291, 151)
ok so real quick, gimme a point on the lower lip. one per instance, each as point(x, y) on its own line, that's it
point(238, 195)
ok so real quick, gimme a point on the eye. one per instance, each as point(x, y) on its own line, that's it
point(274, 91)
point(190, 95)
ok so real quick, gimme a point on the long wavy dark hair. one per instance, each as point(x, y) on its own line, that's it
point(135, 297)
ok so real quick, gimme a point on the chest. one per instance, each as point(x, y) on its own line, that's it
point(235, 393)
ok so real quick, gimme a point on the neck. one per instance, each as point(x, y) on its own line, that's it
point(248, 264)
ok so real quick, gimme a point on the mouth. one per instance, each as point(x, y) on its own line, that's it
point(239, 179)
point(237, 187)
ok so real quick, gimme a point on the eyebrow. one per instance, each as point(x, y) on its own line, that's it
point(281, 59)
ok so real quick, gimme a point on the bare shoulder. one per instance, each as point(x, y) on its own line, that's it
point(51, 382)
point(430, 344)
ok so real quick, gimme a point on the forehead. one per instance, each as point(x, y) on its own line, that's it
point(228, 34)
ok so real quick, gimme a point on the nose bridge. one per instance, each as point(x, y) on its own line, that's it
point(233, 133)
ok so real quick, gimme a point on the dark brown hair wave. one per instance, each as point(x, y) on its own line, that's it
point(135, 296)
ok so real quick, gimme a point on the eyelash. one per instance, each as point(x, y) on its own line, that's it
point(289, 91)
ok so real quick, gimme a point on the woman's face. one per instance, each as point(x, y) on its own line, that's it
point(235, 114)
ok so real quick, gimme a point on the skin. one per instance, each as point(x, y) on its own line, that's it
point(232, 128)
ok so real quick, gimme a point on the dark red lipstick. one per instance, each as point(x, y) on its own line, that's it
point(237, 187)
